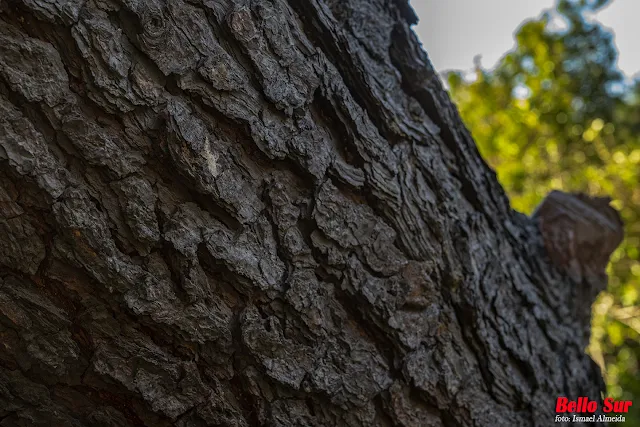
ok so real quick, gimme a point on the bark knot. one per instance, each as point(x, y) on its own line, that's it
point(580, 232)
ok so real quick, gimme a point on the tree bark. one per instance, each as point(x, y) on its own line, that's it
point(261, 212)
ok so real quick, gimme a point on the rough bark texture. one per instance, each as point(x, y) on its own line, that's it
point(261, 212)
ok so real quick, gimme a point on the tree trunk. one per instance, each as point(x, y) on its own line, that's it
point(261, 212)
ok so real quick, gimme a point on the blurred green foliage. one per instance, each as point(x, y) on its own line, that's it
point(555, 113)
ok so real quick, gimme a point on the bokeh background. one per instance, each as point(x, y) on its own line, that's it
point(554, 103)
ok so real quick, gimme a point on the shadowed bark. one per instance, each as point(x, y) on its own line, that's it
point(261, 212)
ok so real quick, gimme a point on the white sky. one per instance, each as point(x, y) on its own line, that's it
point(454, 31)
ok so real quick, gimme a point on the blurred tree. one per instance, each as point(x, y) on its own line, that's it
point(555, 113)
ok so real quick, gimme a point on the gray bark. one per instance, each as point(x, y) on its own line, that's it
point(261, 212)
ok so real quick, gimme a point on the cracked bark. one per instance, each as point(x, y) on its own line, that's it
point(261, 212)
